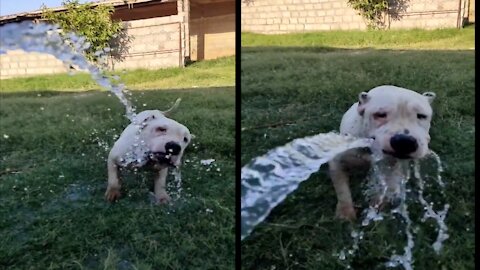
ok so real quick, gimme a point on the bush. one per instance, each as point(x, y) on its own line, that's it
point(373, 11)
point(92, 22)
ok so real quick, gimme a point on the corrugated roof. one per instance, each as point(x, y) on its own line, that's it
point(37, 13)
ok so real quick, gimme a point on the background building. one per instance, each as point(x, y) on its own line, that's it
point(163, 33)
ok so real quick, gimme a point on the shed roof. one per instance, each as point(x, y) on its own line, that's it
point(37, 13)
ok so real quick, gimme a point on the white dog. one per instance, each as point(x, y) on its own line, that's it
point(398, 120)
point(151, 140)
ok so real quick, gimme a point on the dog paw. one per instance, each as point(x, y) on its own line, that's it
point(162, 198)
point(345, 211)
point(112, 194)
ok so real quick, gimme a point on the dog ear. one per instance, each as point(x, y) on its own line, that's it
point(362, 99)
point(169, 111)
point(146, 116)
point(430, 96)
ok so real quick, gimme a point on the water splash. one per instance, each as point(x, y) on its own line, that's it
point(376, 183)
point(406, 259)
point(177, 174)
point(439, 170)
point(267, 180)
point(69, 48)
point(428, 207)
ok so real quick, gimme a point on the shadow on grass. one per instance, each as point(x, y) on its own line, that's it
point(53, 92)
point(326, 49)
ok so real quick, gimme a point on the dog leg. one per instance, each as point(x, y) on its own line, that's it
point(340, 181)
point(159, 187)
point(113, 187)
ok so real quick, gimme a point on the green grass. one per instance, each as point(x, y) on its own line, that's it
point(394, 39)
point(212, 73)
point(53, 149)
point(291, 89)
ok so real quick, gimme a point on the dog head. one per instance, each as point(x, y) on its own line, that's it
point(165, 138)
point(398, 119)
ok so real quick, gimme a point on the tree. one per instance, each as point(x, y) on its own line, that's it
point(92, 22)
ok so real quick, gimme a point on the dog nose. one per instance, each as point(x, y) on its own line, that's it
point(403, 144)
point(172, 148)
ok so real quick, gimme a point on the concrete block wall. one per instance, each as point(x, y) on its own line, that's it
point(285, 16)
point(155, 43)
point(212, 37)
point(18, 63)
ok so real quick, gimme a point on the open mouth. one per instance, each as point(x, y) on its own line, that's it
point(161, 158)
point(396, 155)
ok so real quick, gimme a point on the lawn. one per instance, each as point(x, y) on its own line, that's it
point(298, 85)
point(212, 73)
point(449, 39)
point(53, 149)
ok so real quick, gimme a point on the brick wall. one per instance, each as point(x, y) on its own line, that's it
point(155, 43)
point(19, 63)
point(471, 13)
point(283, 16)
point(212, 37)
point(212, 29)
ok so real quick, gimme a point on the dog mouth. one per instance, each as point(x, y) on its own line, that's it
point(397, 155)
point(160, 158)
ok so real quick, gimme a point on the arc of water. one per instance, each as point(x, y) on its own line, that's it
point(267, 180)
point(46, 38)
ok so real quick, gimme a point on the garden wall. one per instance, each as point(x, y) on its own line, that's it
point(284, 16)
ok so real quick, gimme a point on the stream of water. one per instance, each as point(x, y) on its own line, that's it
point(267, 180)
point(67, 47)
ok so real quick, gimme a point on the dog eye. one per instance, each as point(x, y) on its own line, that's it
point(380, 115)
point(421, 116)
point(160, 129)
point(185, 140)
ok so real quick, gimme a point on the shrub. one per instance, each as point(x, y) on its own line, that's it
point(92, 22)
point(373, 11)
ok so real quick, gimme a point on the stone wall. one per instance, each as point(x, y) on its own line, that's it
point(284, 16)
